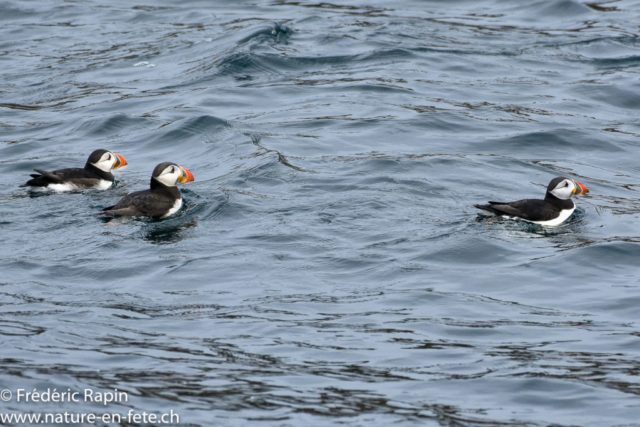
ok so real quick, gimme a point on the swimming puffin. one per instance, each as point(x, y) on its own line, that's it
point(95, 174)
point(161, 200)
point(556, 207)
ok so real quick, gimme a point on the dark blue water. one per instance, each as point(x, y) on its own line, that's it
point(328, 267)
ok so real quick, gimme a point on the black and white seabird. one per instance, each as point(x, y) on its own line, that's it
point(95, 174)
point(556, 207)
point(161, 200)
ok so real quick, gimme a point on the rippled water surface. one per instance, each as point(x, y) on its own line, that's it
point(328, 266)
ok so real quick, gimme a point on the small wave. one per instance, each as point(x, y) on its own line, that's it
point(113, 125)
point(202, 128)
point(556, 140)
point(247, 63)
point(277, 33)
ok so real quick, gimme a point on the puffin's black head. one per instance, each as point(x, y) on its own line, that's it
point(563, 188)
point(170, 174)
point(106, 160)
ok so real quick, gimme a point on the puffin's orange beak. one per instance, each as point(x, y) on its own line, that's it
point(186, 176)
point(120, 162)
point(580, 188)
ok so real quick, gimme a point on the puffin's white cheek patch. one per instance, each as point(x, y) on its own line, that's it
point(104, 164)
point(169, 179)
point(563, 191)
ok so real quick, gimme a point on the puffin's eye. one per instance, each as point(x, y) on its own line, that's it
point(109, 158)
point(566, 184)
point(173, 169)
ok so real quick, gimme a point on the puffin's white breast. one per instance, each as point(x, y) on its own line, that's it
point(564, 215)
point(175, 208)
point(61, 187)
point(104, 184)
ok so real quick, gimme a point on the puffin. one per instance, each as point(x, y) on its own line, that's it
point(96, 174)
point(163, 199)
point(555, 209)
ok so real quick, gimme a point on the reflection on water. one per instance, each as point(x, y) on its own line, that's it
point(167, 232)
